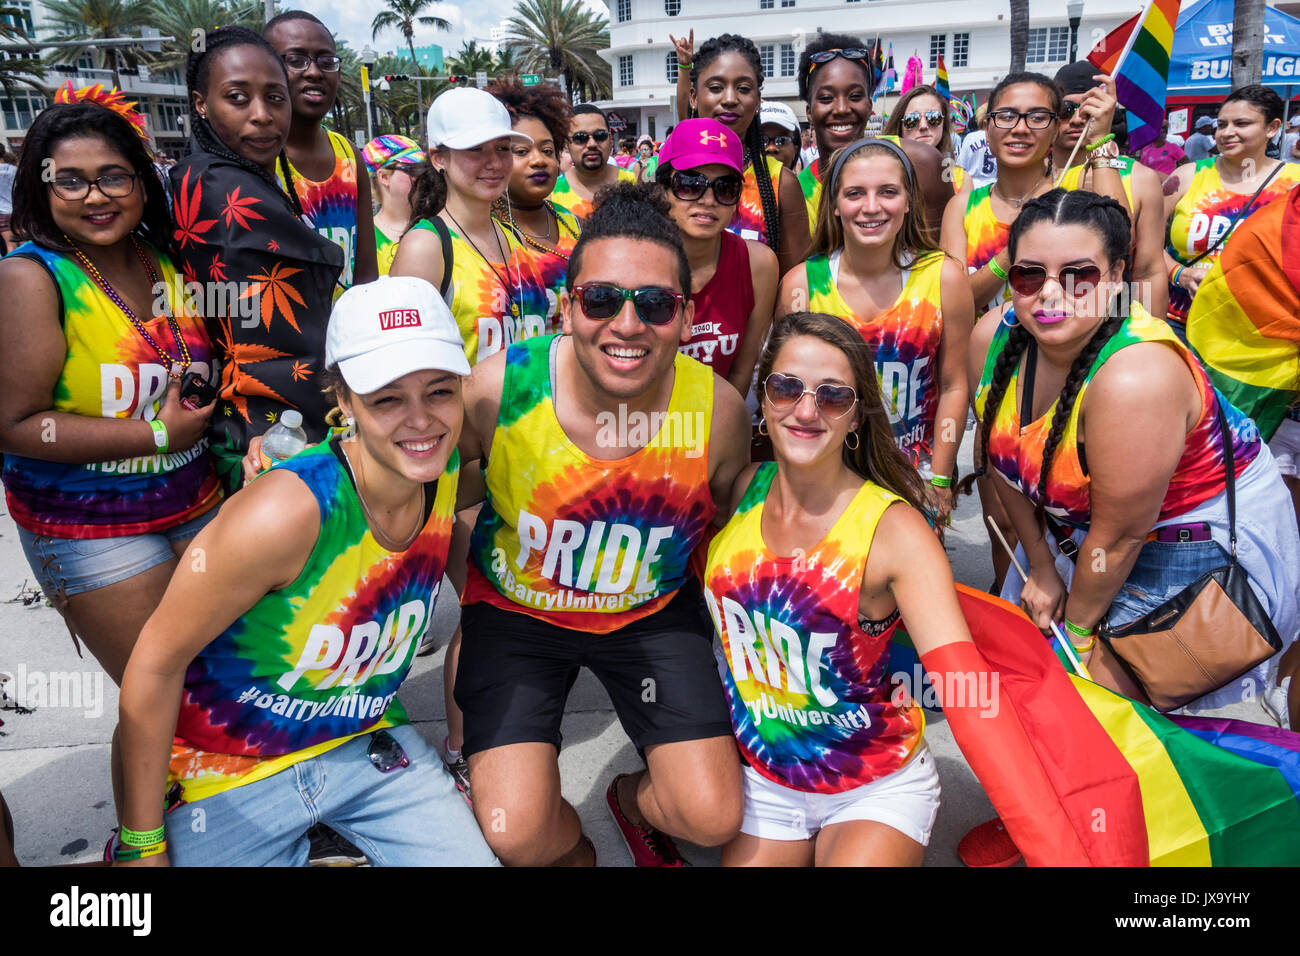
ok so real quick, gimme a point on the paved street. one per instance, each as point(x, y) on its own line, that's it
point(54, 764)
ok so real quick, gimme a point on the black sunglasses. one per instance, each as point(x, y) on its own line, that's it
point(604, 300)
point(691, 186)
point(778, 141)
point(849, 53)
point(1076, 281)
point(328, 63)
point(386, 753)
point(581, 136)
point(931, 117)
point(785, 391)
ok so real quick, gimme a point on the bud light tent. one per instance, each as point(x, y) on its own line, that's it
point(1201, 64)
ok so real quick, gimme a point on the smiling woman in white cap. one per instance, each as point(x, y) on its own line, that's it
point(486, 274)
point(282, 642)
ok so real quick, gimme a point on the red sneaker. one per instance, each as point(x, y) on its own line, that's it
point(988, 844)
point(648, 846)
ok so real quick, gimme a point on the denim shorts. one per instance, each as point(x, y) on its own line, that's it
point(1161, 571)
point(76, 565)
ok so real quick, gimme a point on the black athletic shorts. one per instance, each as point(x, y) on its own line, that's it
point(516, 671)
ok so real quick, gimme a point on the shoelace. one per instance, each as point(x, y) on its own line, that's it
point(660, 844)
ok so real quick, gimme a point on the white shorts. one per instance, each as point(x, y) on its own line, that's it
point(907, 800)
point(1285, 447)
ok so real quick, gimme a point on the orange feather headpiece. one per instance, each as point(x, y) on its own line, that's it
point(107, 97)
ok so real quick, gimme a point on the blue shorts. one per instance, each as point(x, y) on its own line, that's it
point(70, 566)
point(1162, 570)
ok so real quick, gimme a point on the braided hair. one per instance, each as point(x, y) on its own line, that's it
point(1108, 219)
point(198, 68)
point(752, 139)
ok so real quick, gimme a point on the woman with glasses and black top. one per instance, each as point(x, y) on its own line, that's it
point(1022, 124)
point(734, 279)
point(924, 116)
point(322, 165)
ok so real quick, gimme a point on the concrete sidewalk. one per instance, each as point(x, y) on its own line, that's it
point(54, 762)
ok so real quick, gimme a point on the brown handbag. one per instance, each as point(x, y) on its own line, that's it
point(1207, 635)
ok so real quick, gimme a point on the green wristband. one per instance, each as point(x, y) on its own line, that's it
point(1078, 631)
point(141, 837)
point(1100, 143)
point(941, 481)
point(160, 439)
point(997, 270)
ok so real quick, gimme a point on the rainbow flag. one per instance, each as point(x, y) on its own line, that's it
point(1245, 319)
point(1131, 786)
point(1137, 55)
point(888, 75)
point(941, 80)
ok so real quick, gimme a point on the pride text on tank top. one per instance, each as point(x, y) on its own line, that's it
point(331, 204)
point(585, 543)
point(809, 690)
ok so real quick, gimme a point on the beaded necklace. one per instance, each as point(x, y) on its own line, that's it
point(169, 361)
point(514, 306)
point(559, 224)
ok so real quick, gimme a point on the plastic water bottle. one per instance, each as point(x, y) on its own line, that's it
point(284, 439)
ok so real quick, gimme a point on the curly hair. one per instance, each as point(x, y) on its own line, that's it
point(832, 41)
point(627, 210)
point(544, 102)
point(752, 138)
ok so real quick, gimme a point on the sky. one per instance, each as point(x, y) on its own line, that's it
point(471, 20)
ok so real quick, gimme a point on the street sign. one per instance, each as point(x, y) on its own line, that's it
point(530, 79)
point(480, 79)
point(616, 121)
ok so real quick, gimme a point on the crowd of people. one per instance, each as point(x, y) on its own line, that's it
point(688, 417)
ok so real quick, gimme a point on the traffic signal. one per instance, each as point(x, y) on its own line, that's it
point(397, 78)
point(454, 78)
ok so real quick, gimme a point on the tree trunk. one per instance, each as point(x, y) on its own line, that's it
point(1247, 42)
point(1019, 34)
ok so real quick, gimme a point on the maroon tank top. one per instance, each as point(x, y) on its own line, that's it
point(722, 308)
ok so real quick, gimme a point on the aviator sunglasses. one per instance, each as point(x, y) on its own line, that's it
point(931, 117)
point(786, 391)
point(604, 300)
point(1076, 281)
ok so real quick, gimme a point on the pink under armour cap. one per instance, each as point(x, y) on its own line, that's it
point(700, 142)
point(391, 327)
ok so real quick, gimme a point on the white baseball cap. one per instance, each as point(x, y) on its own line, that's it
point(391, 327)
point(774, 111)
point(463, 117)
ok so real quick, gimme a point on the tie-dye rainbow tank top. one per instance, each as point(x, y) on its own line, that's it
point(809, 690)
point(564, 196)
point(580, 542)
point(112, 372)
point(319, 661)
point(331, 205)
point(1016, 448)
point(986, 236)
point(1080, 176)
point(385, 251)
point(747, 221)
point(551, 266)
point(495, 303)
point(905, 341)
point(812, 194)
point(1204, 214)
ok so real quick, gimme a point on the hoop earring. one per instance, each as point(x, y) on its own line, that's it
point(856, 441)
point(1003, 319)
point(762, 426)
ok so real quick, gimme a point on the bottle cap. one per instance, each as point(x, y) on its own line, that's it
point(291, 418)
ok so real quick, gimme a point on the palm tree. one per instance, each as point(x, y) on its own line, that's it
point(1247, 42)
point(404, 15)
point(18, 67)
point(91, 19)
point(1019, 34)
point(180, 18)
point(471, 59)
point(561, 37)
point(401, 103)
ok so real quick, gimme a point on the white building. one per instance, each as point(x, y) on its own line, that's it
point(973, 38)
point(160, 97)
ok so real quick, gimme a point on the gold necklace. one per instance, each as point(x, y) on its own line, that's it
point(376, 528)
point(1017, 203)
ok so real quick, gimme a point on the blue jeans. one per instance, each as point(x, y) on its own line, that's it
point(1161, 571)
point(410, 816)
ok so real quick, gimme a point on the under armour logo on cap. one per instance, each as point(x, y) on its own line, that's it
point(705, 139)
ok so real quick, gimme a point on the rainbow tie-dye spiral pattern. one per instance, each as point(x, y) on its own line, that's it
point(986, 235)
point(583, 543)
point(496, 303)
point(332, 205)
point(1205, 212)
point(1016, 453)
point(747, 221)
point(809, 691)
point(319, 661)
point(112, 372)
point(905, 341)
point(564, 196)
point(1245, 319)
point(551, 267)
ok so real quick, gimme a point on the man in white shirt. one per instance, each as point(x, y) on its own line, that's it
point(975, 156)
point(1200, 143)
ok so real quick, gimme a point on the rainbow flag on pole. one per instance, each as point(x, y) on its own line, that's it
point(888, 76)
point(1112, 782)
point(941, 80)
point(1137, 55)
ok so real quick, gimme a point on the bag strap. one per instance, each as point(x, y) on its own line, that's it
point(1237, 218)
point(444, 240)
point(1230, 469)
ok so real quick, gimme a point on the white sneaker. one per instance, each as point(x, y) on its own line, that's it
point(1274, 701)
